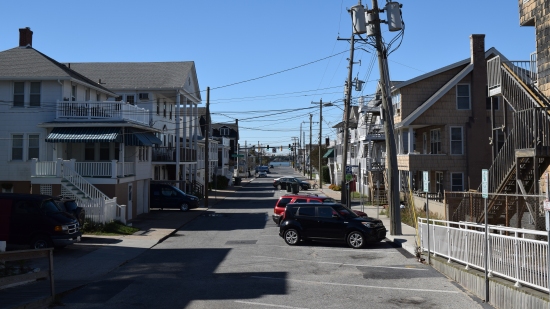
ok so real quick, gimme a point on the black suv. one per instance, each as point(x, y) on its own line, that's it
point(281, 183)
point(329, 222)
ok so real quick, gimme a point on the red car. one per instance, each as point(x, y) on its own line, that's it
point(279, 210)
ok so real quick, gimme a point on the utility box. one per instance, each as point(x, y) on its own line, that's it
point(358, 19)
point(395, 21)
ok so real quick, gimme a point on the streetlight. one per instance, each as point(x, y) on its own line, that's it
point(321, 136)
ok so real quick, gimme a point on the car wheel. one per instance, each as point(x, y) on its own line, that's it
point(356, 240)
point(279, 187)
point(292, 237)
point(41, 242)
point(184, 207)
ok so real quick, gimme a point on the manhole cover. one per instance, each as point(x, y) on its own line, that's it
point(241, 242)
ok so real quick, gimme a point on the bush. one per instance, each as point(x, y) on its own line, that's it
point(335, 187)
point(111, 228)
point(220, 183)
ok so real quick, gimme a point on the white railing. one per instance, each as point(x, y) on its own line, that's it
point(100, 207)
point(108, 110)
point(111, 169)
point(514, 254)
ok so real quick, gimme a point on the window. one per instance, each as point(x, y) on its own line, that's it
point(17, 147)
point(73, 93)
point(170, 111)
point(396, 102)
point(405, 142)
point(325, 212)
point(130, 99)
point(457, 183)
point(425, 142)
point(456, 141)
point(500, 139)
point(87, 94)
point(307, 211)
point(439, 182)
point(352, 152)
point(104, 151)
point(224, 131)
point(97, 97)
point(158, 107)
point(34, 150)
point(19, 94)
point(164, 110)
point(89, 152)
point(435, 141)
point(35, 94)
point(463, 96)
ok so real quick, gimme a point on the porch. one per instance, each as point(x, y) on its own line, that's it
point(107, 111)
point(113, 169)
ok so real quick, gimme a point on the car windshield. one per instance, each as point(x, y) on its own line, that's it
point(177, 189)
point(70, 205)
point(345, 212)
point(49, 206)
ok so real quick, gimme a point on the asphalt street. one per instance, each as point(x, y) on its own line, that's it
point(233, 257)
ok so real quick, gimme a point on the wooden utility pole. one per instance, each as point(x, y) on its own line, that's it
point(310, 144)
point(207, 149)
point(391, 149)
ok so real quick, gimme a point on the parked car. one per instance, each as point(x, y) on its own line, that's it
point(262, 174)
point(283, 201)
point(167, 196)
point(305, 221)
point(263, 168)
point(36, 220)
point(282, 182)
point(70, 206)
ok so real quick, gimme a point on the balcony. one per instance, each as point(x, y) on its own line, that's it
point(113, 169)
point(101, 111)
point(168, 154)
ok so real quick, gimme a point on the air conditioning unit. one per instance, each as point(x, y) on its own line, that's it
point(144, 96)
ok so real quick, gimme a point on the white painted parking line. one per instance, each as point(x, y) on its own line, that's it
point(332, 249)
point(358, 285)
point(267, 305)
point(340, 264)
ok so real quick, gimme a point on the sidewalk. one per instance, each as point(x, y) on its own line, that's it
point(407, 239)
point(96, 256)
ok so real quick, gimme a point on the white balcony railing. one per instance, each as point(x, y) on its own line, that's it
point(108, 110)
point(113, 169)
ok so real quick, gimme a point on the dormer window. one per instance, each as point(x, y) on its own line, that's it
point(224, 131)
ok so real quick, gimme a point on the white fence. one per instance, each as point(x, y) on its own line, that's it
point(111, 169)
point(514, 254)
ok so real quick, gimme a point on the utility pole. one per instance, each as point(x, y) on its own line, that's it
point(320, 138)
point(391, 149)
point(207, 148)
point(310, 144)
point(347, 105)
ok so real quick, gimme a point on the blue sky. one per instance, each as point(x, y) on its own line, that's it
point(263, 59)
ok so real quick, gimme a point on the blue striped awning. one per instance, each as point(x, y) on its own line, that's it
point(140, 138)
point(329, 153)
point(84, 135)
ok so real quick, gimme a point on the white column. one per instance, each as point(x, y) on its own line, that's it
point(411, 140)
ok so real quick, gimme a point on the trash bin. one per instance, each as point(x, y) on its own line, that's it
point(237, 181)
point(288, 188)
point(295, 188)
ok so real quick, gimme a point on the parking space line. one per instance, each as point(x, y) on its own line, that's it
point(267, 305)
point(332, 249)
point(357, 285)
point(335, 263)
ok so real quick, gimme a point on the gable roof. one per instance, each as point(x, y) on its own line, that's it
point(443, 90)
point(232, 126)
point(141, 75)
point(29, 64)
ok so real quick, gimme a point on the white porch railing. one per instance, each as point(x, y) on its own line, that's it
point(108, 110)
point(111, 169)
point(514, 254)
point(102, 208)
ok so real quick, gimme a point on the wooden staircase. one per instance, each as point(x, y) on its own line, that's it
point(525, 154)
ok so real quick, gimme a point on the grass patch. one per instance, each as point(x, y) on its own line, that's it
point(114, 228)
point(408, 216)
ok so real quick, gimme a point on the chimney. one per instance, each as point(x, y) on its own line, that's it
point(25, 37)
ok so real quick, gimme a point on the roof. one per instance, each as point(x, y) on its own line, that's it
point(233, 126)
point(28, 63)
point(141, 75)
point(443, 90)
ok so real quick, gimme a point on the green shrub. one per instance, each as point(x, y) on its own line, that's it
point(111, 228)
point(220, 183)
